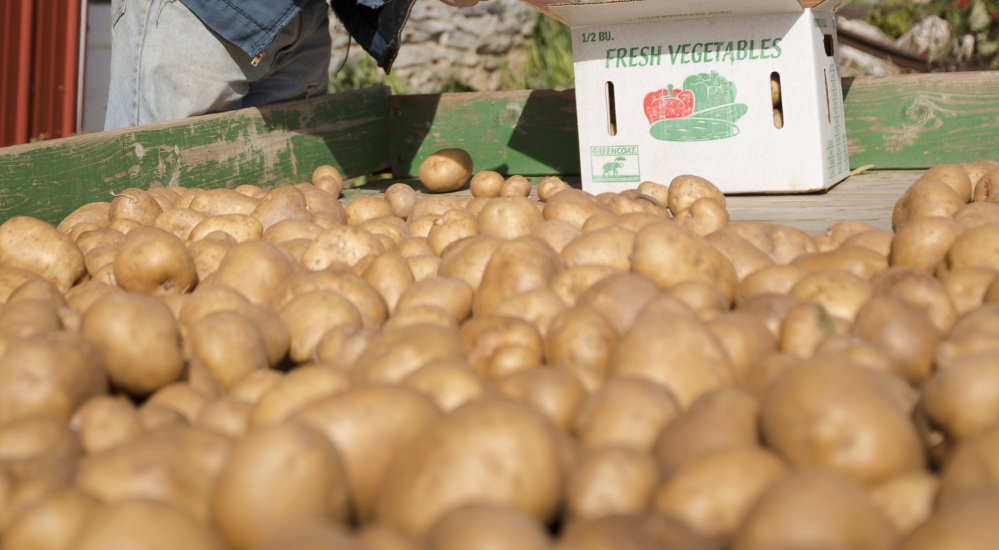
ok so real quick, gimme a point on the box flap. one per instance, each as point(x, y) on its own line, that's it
point(601, 12)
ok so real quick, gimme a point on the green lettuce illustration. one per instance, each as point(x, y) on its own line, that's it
point(714, 115)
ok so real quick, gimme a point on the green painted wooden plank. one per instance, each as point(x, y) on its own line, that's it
point(920, 120)
point(268, 146)
point(529, 132)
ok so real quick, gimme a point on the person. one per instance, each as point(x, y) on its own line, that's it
point(171, 59)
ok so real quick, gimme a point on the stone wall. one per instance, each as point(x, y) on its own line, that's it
point(466, 45)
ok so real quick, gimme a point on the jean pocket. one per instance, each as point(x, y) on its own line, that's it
point(117, 11)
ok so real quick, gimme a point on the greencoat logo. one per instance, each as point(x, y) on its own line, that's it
point(614, 164)
point(703, 110)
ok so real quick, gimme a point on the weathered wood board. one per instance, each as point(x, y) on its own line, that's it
point(920, 120)
point(266, 146)
point(530, 132)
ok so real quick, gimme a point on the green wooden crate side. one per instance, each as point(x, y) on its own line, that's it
point(531, 132)
point(920, 120)
point(268, 146)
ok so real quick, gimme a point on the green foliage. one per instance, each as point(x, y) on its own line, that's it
point(976, 18)
point(362, 72)
point(549, 59)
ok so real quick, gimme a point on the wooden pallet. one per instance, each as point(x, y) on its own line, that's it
point(899, 124)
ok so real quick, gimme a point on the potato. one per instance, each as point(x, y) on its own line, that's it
point(839, 232)
point(815, 508)
point(96, 213)
point(924, 242)
point(24, 318)
point(54, 523)
point(451, 295)
point(713, 495)
point(325, 208)
point(105, 421)
point(850, 348)
point(907, 498)
point(876, 240)
point(346, 244)
point(840, 417)
point(486, 183)
point(744, 337)
point(670, 254)
point(987, 187)
point(609, 482)
point(632, 201)
point(702, 298)
point(516, 266)
point(841, 293)
point(953, 176)
point(228, 345)
point(222, 201)
point(573, 206)
point(394, 418)
point(179, 397)
point(467, 258)
point(154, 262)
point(903, 331)
point(970, 467)
point(207, 255)
point(175, 465)
point(333, 179)
point(925, 198)
point(553, 391)
point(414, 246)
point(452, 226)
point(33, 245)
point(446, 170)
point(535, 306)
point(973, 248)
point(241, 227)
point(686, 189)
point(862, 262)
point(705, 216)
point(139, 340)
point(977, 214)
point(366, 298)
point(284, 202)
point(675, 351)
point(549, 186)
point(721, 419)
point(393, 355)
point(208, 299)
point(611, 246)
point(781, 242)
point(400, 198)
point(580, 335)
point(278, 479)
point(557, 233)
point(625, 412)
point(390, 275)
point(631, 532)
point(225, 416)
point(252, 387)
point(483, 338)
point(143, 523)
point(450, 457)
point(959, 399)
point(488, 526)
point(13, 277)
point(745, 258)
point(574, 281)
point(620, 297)
point(510, 217)
point(310, 315)
point(450, 383)
point(134, 204)
point(772, 279)
point(256, 269)
point(967, 522)
point(921, 289)
point(967, 287)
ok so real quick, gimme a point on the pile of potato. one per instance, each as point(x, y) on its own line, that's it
point(248, 369)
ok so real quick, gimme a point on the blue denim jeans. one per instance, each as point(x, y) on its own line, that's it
point(166, 64)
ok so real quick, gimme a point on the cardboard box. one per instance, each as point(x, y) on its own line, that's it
point(671, 87)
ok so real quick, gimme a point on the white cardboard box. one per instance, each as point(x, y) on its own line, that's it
point(671, 87)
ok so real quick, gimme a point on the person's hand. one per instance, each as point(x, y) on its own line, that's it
point(460, 3)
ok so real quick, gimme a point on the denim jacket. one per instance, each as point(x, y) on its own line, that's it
point(252, 24)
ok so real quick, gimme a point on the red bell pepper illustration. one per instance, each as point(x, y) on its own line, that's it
point(668, 103)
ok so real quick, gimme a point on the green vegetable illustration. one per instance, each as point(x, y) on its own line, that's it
point(713, 116)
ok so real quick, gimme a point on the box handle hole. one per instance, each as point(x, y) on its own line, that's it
point(827, 41)
point(611, 109)
point(777, 98)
